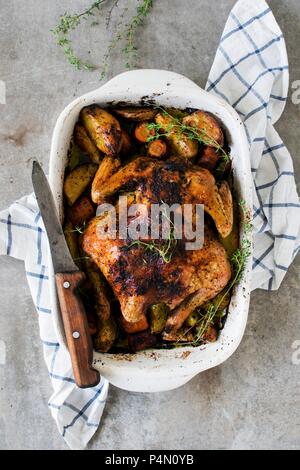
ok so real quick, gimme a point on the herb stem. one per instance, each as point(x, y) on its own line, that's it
point(165, 250)
point(109, 15)
point(130, 49)
point(68, 23)
point(190, 131)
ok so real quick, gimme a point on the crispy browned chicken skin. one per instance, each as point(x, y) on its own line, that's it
point(141, 278)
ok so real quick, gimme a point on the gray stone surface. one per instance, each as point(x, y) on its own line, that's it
point(251, 401)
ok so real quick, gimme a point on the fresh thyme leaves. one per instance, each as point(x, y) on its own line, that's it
point(164, 249)
point(68, 23)
point(158, 129)
point(205, 321)
point(193, 133)
point(109, 14)
point(124, 33)
point(113, 44)
point(239, 261)
point(246, 217)
point(130, 49)
point(241, 255)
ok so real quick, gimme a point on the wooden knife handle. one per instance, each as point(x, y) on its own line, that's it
point(76, 328)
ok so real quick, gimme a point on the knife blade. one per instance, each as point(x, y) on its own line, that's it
point(68, 279)
point(60, 254)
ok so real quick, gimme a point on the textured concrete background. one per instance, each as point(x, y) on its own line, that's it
point(251, 401)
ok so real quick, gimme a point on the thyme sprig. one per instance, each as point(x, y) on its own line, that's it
point(193, 133)
point(109, 14)
point(164, 250)
point(205, 321)
point(68, 23)
point(124, 34)
point(130, 49)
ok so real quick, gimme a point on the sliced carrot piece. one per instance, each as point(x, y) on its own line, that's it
point(157, 149)
point(143, 133)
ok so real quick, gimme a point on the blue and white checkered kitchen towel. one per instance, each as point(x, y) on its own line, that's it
point(77, 412)
point(251, 73)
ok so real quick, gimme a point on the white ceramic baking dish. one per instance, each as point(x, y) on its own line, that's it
point(159, 370)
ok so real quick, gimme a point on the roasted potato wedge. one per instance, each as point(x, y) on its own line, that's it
point(209, 158)
point(221, 302)
point(74, 156)
point(192, 319)
point(78, 180)
point(158, 316)
point(134, 113)
point(207, 126)
point(98, 285)
point(85, 143)
point(103, 309)
point(106, 335)
point(81, 212)
point(210, 335)
point(179, 142)
point(71, 237)
point(103, 128)
point(107, 168)
point(141, 341)
point(131, 327)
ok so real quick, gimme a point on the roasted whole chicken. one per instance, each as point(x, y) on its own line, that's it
point(147, 293)
point(191, 277)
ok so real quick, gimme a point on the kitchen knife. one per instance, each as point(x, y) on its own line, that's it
point(68, 278)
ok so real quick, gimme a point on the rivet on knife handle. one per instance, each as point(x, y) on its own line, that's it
point(76, 328)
